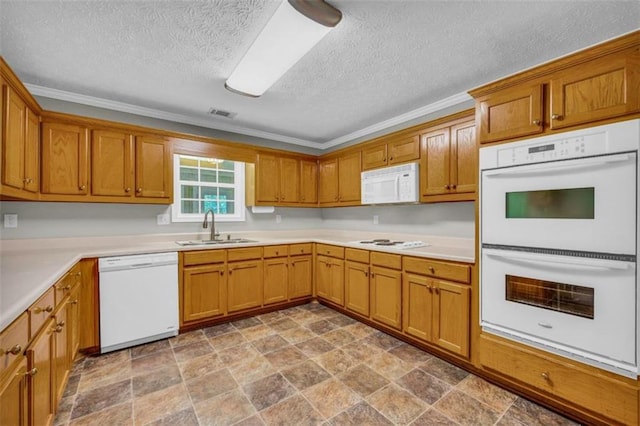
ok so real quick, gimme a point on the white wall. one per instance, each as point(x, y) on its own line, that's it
point(50, 220)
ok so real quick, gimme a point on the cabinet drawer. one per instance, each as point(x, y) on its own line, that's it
point(40, 310)
point(447, 271)
point(332, 251)
point(295, 249)
point(14, 339)
point(393, 261)
point(244, 253)
point(203, 257)
point(276, 251)
point(612, 398)
point(357, 255)
point(64, 286)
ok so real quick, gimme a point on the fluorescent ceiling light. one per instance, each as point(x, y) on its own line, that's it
point(293, 30)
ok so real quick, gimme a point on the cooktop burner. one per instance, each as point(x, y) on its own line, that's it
point(392, 243)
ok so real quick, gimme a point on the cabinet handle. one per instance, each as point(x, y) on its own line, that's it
point(556, 117)
point(74, 302)
point(139, 190)
point(432, 270)
point(127, 190)
point(221, 273)
point(430, 289)
point(61, 324)
point(545, 376)
point(536, 122)
point(230, 271)
point(277, 253)
point(447, 187)
point(78, 274)
point(373, 275)
point(58, 329)
point(366, 274)
point(31, 372)
point(337, 198)
point(390, 158)
point(15, 350)
point(65, 288)
point(38, 309)
point(437, 290)
point(26, 180)
point(83, 187)
point(453, 186)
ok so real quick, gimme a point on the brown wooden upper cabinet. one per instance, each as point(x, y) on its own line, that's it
point(449, 164)
point(20, 146)
point(283, 181)
point(309, 182)
point(598, 84)
point(153, 168)
point(340, 180)
point(65, 159)
point(112, 167)
point(398, 150)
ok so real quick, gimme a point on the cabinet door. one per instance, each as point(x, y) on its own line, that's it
point(374, 157)
point(451, 317)
point(510, 114)
point(39, 363)
point(244, 287)
point(349, 168)
point(404, 149)
point(386, 296)
point(323, 276)
point(289, 180)
point(65, 164)
point(436, 165)
point(308, 182)
point(336, 281)
point(14, 137)
point(111, 163)
point(13, 396)
point(276, 280)
point(356, 287)
point(267, 178)
point(32, 153)
point(328, 189)
point(153, 168)
point(464, 158)
point(61, 361)
point(417, 306)
point(596, 90)
point(88, 306)
point(300, 281)
point(74, 323)
point(203, 292)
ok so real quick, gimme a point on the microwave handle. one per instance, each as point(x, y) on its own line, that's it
point(538, 259)
point(397, 188)
point(545, 167)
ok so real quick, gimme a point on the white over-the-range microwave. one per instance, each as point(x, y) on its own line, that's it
point(395, 184)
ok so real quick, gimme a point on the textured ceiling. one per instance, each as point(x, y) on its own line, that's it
point(386, 58)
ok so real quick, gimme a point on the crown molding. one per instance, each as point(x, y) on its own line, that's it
point(200, 122)
point(399, 119)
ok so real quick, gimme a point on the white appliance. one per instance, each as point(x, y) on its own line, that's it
point(396, 184)
point(138, 299)
point(402, 245)
point(558, 232)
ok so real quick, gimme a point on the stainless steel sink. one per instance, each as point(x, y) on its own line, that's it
point(214, 242)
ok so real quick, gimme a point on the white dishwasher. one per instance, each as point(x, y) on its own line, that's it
point(138, 299)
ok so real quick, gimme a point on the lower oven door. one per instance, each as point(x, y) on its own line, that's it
point(574, 306)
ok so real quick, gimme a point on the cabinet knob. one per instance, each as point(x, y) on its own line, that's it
point(545, 376)
point(83, 187)
point(373, 275)
point(536, 122)
point(221, 273)
point(384, 159)
point(58, 329)
point(437, 290)
point(432, 269)
point(337, 198)
point(61, 324)
point(27, 180)
point(454, 186)
point(277, 253)
point(65, 288)
point(38, 309)
point(556, 117)
point(447, 186)
point(390, 158)
point(127, 190)
point(302, 198)
point(74, 302)
point(78, 274)
point(31, 372)
point(139, 190)
point(430, 289)
point(15, 350)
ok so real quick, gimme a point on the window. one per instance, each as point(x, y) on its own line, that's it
point(201, 184)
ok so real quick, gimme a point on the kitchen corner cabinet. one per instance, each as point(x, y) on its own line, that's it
point(65, 159)
point(449, 164)
point(340, 180)
point(436, 309)
point(153, 168)
point(400, 149)
point(282, 181)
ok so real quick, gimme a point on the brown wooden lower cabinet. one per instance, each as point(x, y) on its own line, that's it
point(244, 285)
point(356, 287)
point(13, 396)
point(300, 277)
point(276, 280)
point(204, 292)
point(386, 296)
point(61, 359)
point(330, 279)
point(41, 358)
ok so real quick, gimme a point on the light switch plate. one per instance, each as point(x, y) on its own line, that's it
point(278, 218)
point(10, 220)
point(163, 219)
point(375, 219)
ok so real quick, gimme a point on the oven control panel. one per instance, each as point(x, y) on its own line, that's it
point(550, 150)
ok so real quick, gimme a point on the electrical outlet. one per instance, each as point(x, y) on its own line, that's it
point(278, 218)
point(163, 219)
point(375, 219)
point(10, 220)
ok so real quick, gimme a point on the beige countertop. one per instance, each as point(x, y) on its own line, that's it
point(29, 267)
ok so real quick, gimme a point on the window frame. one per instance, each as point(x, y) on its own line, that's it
point(239, 187)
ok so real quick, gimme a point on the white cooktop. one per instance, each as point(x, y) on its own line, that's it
point(391, 243)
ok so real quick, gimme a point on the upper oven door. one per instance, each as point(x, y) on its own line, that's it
point(585, 204)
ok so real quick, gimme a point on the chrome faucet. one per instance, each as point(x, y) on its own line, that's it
point(214, 235)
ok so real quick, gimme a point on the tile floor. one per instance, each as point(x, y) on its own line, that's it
point(303, 365)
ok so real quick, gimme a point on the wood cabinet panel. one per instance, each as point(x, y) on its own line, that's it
point(202, 257)
point(244, 285)
point(332, 251)
point(323, 263)
point(602, 88)
point(14, 138)
point(330, 279)
point(349, 168)
point(65, 159)
point(300, 277)
point(417, 306)
point(204, 292)
point(308, 182)
point(404, 149)
point(451, 317)
point(40, 311)
point(244, 253)
point(276, 251)
point(356, 255)
point(153, 168)
point(32, 153)
point(14, 396)
point(512, 113)
point(304, 248)
point(88, 311)
point(463, 172)
point(356, 287)
point(276, 280)
point(289, 180)
point(436, 170)
point(388, 260)
point(13, 342)
point(40, 356)
point(328, 188)
point(112, 165)
point(73, 319)
point(437, 269)
point(61, 361)
point(374, 157)
point(267, 178)
point(386, 296)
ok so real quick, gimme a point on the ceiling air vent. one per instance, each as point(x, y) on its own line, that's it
point(222, 113)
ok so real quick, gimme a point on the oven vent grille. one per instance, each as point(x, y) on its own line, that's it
point(222, 113)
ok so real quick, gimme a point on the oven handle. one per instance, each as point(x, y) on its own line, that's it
point(560, 165)
point(542, 259)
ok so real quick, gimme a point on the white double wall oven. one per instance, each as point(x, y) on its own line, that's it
point(559, 236)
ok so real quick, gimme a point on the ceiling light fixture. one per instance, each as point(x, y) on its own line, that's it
point(292, 31)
